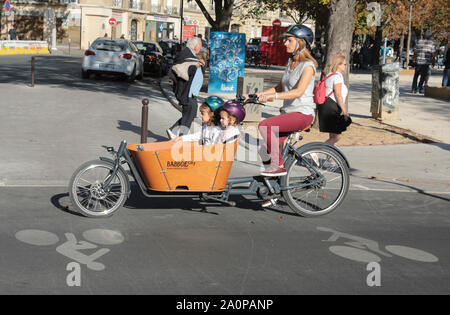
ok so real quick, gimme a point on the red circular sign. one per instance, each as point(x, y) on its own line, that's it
point(276, 22)
point(112, 21)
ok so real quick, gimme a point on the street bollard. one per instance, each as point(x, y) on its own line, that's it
point(33, 66)
point(69, 45)
point(144, 121)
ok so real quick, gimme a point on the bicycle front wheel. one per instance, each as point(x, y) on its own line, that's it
point(319, 189)
point(88, 195)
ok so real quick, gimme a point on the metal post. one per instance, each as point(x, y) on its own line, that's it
point(33, 66)
point(144, 121)
point(69, 45)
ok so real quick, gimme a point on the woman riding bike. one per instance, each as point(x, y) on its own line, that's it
point(296, 89)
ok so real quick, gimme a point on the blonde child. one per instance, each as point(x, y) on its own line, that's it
point(232, 114)
point(210, 133)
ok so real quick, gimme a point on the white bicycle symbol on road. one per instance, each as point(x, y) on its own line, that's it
point(364, 250)
point(72, 248)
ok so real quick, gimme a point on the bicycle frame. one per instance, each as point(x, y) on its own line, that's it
point(258, 185)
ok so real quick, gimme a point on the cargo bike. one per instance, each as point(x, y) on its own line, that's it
point(316, 182)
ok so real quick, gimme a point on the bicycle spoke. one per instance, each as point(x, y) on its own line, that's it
point(88, 193)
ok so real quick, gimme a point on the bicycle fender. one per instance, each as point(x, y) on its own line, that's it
point(332, 147)
point(102, 158)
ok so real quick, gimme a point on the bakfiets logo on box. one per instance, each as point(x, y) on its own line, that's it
point(180, 164)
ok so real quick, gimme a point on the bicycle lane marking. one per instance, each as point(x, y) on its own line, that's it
point(365, 250)
point(73, 248)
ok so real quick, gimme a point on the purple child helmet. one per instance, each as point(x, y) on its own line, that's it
point(235, 109)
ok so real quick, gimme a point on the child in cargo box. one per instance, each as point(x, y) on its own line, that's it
point(232, 113)
point(210, 133)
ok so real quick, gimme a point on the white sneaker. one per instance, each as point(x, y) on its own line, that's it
point(170, 134)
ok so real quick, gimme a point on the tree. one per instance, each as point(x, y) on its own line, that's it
point(340, 30)
point(223, 11)
point(298, 10)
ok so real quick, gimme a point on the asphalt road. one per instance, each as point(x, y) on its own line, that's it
point(387, 237)
point(182, 246)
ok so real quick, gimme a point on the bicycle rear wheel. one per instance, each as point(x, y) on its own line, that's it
point(320, 193)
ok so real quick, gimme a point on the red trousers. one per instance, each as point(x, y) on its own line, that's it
point(276, 129)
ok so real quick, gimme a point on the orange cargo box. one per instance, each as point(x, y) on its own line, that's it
point(184, 166)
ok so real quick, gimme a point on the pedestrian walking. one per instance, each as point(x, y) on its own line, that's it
point(188, 79)
point(446, 75)
point(424, 53)
point(333, 116)
point(12, 34)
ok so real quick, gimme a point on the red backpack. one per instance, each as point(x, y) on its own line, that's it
point(320, 90)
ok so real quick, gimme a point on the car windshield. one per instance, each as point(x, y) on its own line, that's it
point(108, 46)
point(165, 46)
point(146, 46)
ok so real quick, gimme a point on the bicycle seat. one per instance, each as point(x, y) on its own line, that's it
point(295, 136)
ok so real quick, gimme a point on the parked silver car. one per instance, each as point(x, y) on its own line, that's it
point(113, 56)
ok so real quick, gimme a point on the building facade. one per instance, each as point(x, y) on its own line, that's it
point(82, 21)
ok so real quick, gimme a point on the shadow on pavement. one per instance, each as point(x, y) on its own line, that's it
point(418, 190)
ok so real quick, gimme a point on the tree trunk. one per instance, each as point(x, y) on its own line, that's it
point(224, 12)
point(402, 44)
point(377, 46)
point(408, 45)
point(340, 31)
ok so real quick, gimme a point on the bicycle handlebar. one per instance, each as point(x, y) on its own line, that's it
point(252, 99)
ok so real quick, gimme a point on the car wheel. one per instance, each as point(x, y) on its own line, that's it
point(85, 74)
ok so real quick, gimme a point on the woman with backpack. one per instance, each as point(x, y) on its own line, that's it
point(296, 90)
point(333, 116)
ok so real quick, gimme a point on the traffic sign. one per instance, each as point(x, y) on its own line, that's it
point(276, 22)
point(7, 6)
point(112, 22)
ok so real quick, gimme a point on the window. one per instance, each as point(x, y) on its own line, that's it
point(148, 47)
point(117, 3)
point(134, 4)
point(169, 6)
point(108, 45)
point(156, 6)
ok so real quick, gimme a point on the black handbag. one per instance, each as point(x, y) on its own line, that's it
point(344, 123)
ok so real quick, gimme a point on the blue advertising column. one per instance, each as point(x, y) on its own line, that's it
point(227, 61)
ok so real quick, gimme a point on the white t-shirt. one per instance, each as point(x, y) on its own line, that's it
point(229, 133)
point(331, 81)
point(208, 135)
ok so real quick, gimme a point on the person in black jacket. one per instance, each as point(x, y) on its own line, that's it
point(187, 86)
